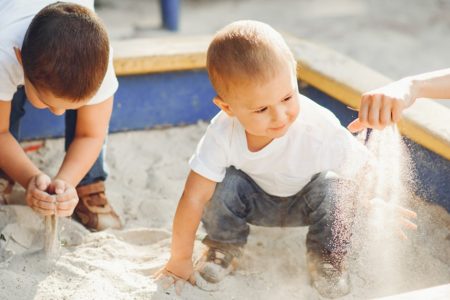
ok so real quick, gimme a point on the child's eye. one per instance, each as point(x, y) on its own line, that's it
point(261, 110)
point(287, 99)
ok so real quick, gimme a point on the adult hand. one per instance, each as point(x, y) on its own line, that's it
point(383, 107)
point(37, 196)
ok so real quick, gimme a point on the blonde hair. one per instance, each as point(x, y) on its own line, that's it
point(245, 52)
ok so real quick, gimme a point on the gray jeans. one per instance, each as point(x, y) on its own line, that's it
point(238, 201)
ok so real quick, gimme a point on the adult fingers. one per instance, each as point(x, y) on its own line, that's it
point(373, 115)
point(385, 112)
point(364, 109)
point(355, 126)
point(396, 111)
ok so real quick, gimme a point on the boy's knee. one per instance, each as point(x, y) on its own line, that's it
point(323, 190)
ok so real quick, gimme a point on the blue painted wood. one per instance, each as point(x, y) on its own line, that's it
point(162, 99)
point(178, 98)
point(141, 102)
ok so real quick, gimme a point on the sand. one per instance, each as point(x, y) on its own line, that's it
point(147, 170)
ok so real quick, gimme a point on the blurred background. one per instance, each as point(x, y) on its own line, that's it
point(394, 37)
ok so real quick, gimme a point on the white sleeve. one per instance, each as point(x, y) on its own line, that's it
point(10, 72)
point(109, 85)
point(343, 153)
point(210, 159)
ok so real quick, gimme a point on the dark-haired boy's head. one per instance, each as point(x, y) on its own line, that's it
point(65, 53)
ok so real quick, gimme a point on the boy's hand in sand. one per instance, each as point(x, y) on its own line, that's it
point(383, 107)
point(37, 197)
point(394, 215)
point(177, 273)
point(66, 197)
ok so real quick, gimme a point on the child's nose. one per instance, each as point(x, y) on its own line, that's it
point(278, 114)
point(57, 111)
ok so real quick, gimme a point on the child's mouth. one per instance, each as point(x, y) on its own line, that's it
point(279, 127)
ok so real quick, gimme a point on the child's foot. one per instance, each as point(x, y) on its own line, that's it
point(218, 260)
point(328, 276)
point(6, 188)
point(93, 210)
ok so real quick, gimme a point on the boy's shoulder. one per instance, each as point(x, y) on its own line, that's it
point(316, 119)
point(221, 127)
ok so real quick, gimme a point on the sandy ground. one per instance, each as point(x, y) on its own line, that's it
point(148, 169)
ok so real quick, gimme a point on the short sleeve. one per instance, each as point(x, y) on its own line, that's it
point(345, 153)
point(10, 73)
point(109, 85)
point(341, 152)
point(210, 159)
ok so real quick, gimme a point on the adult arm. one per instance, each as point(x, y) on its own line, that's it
point(383, 107)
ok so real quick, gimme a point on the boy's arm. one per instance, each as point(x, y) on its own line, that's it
point(13, 160)
point(383, 106)
point(197, 192)
point(90, 132)
point(16, 164)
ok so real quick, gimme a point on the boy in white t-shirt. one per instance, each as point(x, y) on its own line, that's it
point(57, 56)
point(271, 157)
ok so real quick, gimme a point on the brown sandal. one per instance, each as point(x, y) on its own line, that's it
point(6, 188)
point(93, 209)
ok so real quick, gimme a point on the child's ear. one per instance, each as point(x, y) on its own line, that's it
point(18, 55)
point(223, 106)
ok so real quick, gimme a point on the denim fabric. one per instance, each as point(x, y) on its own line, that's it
point(239, 201)
point(98, 170)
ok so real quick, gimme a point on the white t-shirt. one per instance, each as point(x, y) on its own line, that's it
point(314, 143)
point(15, 17)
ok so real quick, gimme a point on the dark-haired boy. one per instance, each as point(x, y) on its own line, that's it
point(57, 56)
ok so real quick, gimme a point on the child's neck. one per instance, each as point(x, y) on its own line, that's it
point(257, 143)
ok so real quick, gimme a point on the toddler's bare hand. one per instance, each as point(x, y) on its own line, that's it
point(66, 197)
point(37, 197)
point(183, 272)
point(395, 216)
